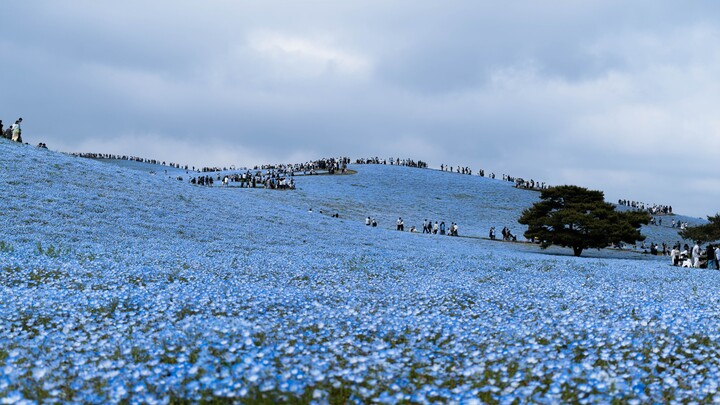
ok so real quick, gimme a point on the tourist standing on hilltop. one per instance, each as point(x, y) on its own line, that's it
point(492, 233)
point(442, 228)
point(400, 224)
point(16, 132)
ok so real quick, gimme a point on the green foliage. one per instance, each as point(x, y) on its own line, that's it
point(707, 233)
point(579, 218)
point(51, 251)
point(6, 247)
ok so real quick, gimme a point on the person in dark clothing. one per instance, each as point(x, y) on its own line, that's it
point(711, 259)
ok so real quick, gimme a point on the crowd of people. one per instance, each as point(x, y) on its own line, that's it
point(13, 132)
point(530, 184)
point(507, 235)
point(696, 257)
point(428, 227)
point(275, 176)
point(653, 209)
point(109, 156)
point(392, 161)
point(678, 224)
point(270, 179)
point(519, 182)
point(459, 170)
point(329, 165)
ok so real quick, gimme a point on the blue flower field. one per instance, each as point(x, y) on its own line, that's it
point(118, 285)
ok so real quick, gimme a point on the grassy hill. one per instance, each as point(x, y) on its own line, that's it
point(118, 285)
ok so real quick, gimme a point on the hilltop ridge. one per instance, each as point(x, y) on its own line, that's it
point(97, 195)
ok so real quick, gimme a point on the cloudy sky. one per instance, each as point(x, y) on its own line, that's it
point(611, 95)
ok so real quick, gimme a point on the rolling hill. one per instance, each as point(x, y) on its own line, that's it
point(121, 285)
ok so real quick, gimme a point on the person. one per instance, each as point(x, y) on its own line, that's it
point(675, 255)
point(1, 127)
point(711, 259)
point(717, 258)
point(16, 131)
point(374, 223)
point(442, 228)
point(400, 224)
point(492, 233)
point(696, 255)
point(412, 229)
point(435, 228)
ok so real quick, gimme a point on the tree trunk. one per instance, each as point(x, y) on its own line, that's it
point(577, 250)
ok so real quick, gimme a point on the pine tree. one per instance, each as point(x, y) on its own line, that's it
point(572, 216)
point(708, 232)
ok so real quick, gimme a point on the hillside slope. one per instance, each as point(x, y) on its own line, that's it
point(117, 285)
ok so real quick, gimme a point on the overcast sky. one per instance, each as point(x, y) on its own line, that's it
point(611, 95)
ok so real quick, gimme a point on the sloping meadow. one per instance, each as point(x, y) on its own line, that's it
point(118, 286)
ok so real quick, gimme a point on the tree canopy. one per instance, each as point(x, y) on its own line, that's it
point(707, 233)
point(572, 216)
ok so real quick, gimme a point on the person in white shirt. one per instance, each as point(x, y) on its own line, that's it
point(696, 255)
point(674, 254)
point(16, 131)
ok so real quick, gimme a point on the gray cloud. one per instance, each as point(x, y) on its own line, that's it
point(608, 95)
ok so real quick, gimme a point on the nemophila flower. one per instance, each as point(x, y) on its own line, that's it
point(223, 309)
